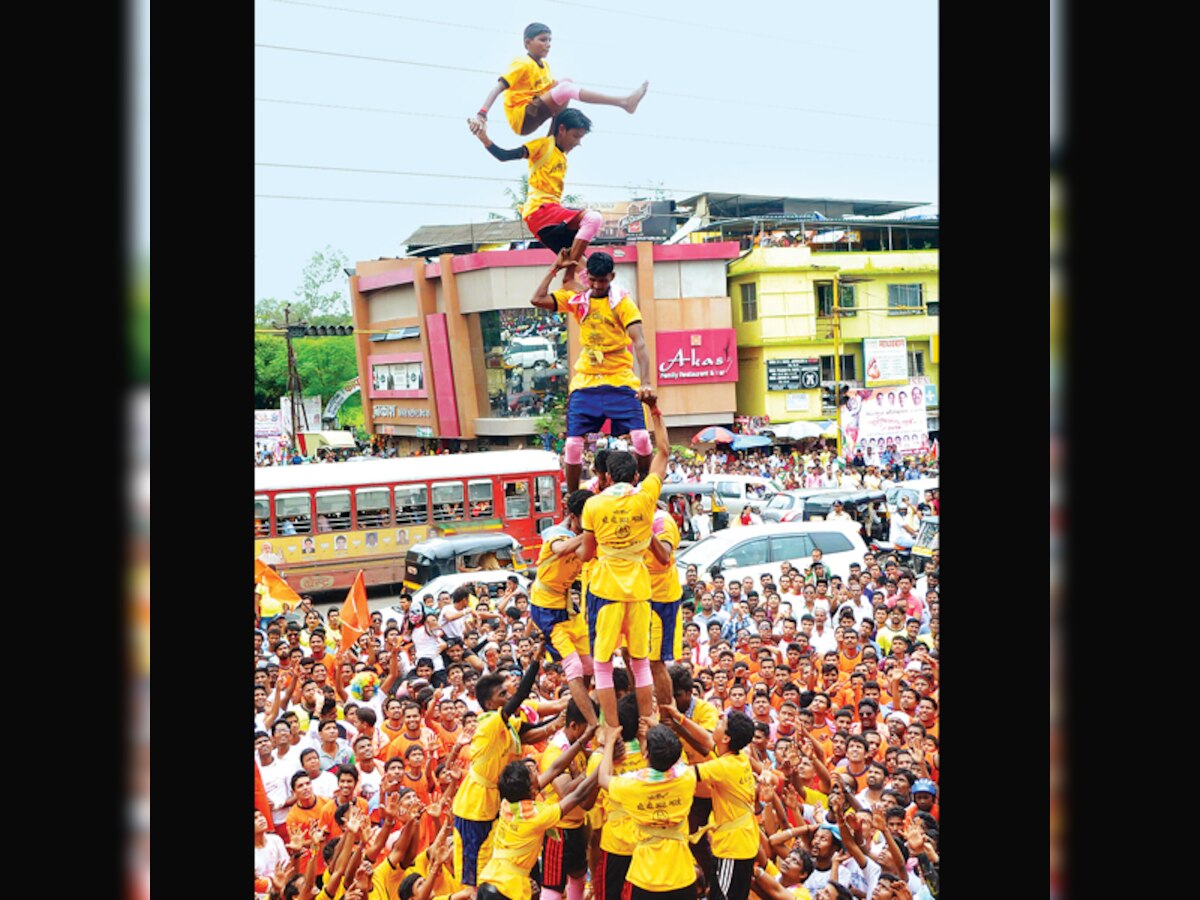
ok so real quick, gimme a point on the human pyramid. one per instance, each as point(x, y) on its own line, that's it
point(627, 786)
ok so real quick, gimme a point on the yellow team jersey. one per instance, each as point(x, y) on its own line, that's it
point(494, 746)
point(445, 882)
point(604, 357)
point(554, 575)
point(664, 579)
point(518, 841)
point(657, 804)
point(526, 79)
point(547, 169)
point(620, 517)
point(731, 781)
point(616, 836)
point(557, 746)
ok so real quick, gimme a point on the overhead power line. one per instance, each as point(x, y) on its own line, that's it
point(737, 101)
point(838, 151)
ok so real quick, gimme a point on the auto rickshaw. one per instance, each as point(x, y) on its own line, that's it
point(461, 553)
point(926, 543)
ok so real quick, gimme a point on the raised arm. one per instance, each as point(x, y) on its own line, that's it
point(480, 118)
point(541, 294)
point(662, 444)
point(582, 791)
point(604, 773)
point(695, 734)
point(564, 759)
point(499, 152)
point(641, 355)
point(526, 685)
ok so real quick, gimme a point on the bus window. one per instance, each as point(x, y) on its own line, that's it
point(546, 492)
point(516, 500)
point(262, 516)
point(412, 504)
point(480, 495)
point(333, 511)
point(293, 514)
point(448, 501)
point(373, 508)
point(543, 524)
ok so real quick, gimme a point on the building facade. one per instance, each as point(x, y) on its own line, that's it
point(795, 307)
point(452, 350)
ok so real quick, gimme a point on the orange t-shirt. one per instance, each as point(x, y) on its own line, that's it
point(332, 829)
point(846, 664)
point(300, 818)
point(859, 780)
point(400, 744)
point(389, 731)
point(445, 738)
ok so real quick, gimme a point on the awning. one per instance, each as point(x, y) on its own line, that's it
point(743, 441)
point(312, 441)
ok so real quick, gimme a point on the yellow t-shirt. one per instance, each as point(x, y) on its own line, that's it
point(445, 882)
point(557, 746)
point(705, 715)
point(604, 358)
point(554, 575)
point(620, 517)
point(547, 169)
point(493, 747)
point(657, 804)
point(731, 780)
point(664, 579)
point(526, 79)
point(615, 838)
point(517, 843)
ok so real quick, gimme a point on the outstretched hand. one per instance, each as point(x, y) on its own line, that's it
point(479, 128)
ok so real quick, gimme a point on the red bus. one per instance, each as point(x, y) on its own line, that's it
point(318, 524)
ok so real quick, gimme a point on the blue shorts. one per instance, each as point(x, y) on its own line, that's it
point(587, 408)
point(473, 835)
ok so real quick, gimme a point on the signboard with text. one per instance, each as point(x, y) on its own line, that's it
point(883, 416)
point(696, 357)
point(793, 374)
point(886, 361)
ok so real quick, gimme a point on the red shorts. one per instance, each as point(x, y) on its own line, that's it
point(550, 214)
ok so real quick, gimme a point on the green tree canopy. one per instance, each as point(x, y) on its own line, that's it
point(321, 299)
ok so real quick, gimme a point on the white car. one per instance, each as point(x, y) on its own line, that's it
point(493, 578)
point(740, 491)
point(912, 491)
point(757, 549)
point(530, 353)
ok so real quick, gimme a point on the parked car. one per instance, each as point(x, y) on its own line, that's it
point(689, 493)
point(786, 506)
point(738, 491)
point(756, 549)
point(530, 353)
point(495, 579)
point(867, 508)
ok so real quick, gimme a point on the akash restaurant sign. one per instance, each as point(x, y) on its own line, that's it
point(697, 357)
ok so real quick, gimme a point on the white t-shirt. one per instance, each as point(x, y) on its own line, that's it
point(369, 782)
point(325, 784)
point(426, 645)
point(276, 784)
point(453, 628)
point(269, 857)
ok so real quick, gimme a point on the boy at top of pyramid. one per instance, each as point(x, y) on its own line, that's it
point(532, 96)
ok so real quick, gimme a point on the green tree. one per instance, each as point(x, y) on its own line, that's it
point(324, 364)
point(270, 370)
point(518, 196)
point(321, 299)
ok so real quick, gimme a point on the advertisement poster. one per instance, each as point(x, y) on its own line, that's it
point(696, 357)
point(887, 361)
point(884, 416)
point(267, 423)
point(308, 415)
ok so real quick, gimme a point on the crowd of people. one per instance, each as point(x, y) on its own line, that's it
point(788, 746)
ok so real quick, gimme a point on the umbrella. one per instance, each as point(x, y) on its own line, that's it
point(798, 431)
point(743, 441)
point(714, 433)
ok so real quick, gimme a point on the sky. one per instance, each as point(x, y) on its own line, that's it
point(361, 106)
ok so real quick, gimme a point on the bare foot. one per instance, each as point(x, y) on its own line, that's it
point(632, 101)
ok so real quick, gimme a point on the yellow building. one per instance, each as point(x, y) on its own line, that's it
point(783, 309)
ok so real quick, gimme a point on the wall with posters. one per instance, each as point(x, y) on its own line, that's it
point(882, 416)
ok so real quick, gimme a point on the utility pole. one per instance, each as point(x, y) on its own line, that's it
point(837, 362)
point(293, 377)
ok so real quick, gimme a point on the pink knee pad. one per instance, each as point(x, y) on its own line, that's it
point(572, 667)
point(641, 442)
point(564, 91)
point(586, 662)
point(589, 226)
point(604, 677)
point(641, 672)
point(573, 451)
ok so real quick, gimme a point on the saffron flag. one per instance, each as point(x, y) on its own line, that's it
point(261, 803)
point(274, 591)
point(354, 612)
